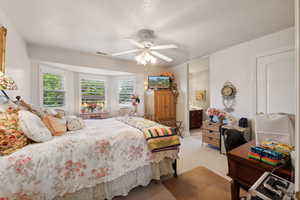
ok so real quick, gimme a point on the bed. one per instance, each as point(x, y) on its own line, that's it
point(105, 159)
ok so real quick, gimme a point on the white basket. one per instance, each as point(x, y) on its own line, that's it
point(277, 127)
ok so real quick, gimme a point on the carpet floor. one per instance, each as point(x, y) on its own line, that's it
point(197, 184)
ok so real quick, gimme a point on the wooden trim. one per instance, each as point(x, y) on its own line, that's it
point(297, 120)
point(3, 33)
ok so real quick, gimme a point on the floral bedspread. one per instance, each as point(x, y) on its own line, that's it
point(101, 152)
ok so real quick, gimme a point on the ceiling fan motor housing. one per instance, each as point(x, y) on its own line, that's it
point(147, 37)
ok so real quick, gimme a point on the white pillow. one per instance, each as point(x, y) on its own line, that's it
point(74, 124)
point(33, 127)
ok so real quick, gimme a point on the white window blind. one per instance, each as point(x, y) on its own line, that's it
point(92, 93)
point(53, 90)
point(126, 90)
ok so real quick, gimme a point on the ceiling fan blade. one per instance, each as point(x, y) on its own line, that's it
point(168, 46)
point(137, 44)
point(126, 52)
point(161, 56)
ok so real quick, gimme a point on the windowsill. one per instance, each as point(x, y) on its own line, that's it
point(125, 105)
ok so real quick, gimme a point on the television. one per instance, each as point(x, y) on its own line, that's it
point(159, 82)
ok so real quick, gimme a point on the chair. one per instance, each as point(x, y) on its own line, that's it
point(233, 139)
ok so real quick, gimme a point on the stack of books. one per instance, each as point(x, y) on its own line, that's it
point(271, 152)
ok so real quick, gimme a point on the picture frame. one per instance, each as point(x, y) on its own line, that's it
point(3, 33)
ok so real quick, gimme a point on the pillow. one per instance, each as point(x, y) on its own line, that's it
point(74, 124)
point(56, 126)
point(33, 127)
point(6, 103)
point(39, 111)
point(50, 112)
point(60, 113)
point(12, 137)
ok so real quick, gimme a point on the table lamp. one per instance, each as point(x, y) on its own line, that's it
point(6, 83)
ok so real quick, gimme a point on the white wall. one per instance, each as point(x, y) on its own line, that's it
point(73, 91)
point(238, 65)
point(199, 80)
point(181, 73)
point(17, 61)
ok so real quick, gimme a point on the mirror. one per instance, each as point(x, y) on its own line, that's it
point(3, 32)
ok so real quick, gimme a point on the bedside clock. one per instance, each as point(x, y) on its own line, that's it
point(228, 93)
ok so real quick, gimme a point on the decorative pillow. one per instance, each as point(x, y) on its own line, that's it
point(6, 103)
point(39, 111)
point(56, 126)
point(33, 127)
point(12, 137)
point(60, 113)
point(74, 124)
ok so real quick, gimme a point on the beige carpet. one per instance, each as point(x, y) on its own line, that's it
point(154, 191)
point(192, 179)
point(199, 184)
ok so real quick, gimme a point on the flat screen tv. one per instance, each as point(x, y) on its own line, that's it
point(159, 82)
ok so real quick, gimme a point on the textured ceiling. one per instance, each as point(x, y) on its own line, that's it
point(198, 27)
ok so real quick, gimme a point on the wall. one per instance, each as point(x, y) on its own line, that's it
point(181, 73)
point(73, 91)
point(17, 61)
point(199, 80)
point(238, 65)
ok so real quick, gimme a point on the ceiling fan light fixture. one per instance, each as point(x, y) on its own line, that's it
point(145, 58)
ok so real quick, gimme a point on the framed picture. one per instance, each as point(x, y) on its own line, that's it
point(3, 32)
point(201, 95)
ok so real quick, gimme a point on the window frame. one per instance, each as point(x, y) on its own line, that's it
point(95, 78)
point(125, 78)
point(43, 69)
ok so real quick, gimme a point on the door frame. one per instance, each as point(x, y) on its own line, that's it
point(266, 54)
point(297, 121)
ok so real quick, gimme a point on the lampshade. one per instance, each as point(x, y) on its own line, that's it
point(7, 83)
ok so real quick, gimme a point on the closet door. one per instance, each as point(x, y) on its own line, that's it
point(165, 107)
point(276, 83)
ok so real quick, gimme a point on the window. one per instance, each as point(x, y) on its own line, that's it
point(53, 90)
point(126, 90)
point(92, 95)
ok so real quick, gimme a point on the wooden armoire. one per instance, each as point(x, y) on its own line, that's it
point(160, 105)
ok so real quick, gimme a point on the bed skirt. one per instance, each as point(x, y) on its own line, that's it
point(122, 185)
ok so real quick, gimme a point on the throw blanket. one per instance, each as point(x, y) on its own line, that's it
point(158, 137)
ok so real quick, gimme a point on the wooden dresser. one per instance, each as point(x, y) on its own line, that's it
point(211, 133)
point(196, 118)
point(160, 105)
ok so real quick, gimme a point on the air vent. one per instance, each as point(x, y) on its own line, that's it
point(101, 53)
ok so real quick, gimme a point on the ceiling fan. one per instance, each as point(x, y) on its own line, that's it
point(146, 49)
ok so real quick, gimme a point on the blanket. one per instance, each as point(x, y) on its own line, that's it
point(99, 153)
point(158, 137)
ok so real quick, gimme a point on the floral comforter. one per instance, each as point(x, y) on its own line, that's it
point(101, 152)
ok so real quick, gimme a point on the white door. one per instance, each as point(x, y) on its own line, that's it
point(276, 83)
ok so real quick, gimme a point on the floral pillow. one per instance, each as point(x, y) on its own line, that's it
point(12, 137)
point(33, 127)
point(74, 124)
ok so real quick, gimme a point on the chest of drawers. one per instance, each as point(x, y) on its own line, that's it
point(211, 133)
